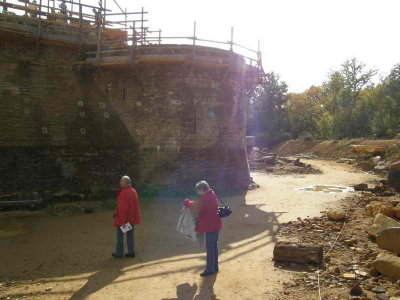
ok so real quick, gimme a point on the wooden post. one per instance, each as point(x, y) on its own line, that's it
point(133, 46)
point(40, 17)
point(126, 25)
point(159, 37)
point(194, 33)
point(98, 54)
point(298, 253)
point(134, 41)
point(193, 56)
point(80, 21)
point(142, 31)
point(105, 12)
point(231, 39)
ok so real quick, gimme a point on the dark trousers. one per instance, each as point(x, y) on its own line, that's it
point(129, 241)
point(212, 251)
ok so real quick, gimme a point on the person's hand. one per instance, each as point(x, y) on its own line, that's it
point(187, 203)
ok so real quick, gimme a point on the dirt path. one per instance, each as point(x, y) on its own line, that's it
point(69, 257)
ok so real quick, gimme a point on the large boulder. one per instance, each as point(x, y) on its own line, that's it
point(360, 187)
point(381, 222)
point(366, 165)
point(389, 239)
point(396, 212)
point(336, 214)
point(384, 208)
point(388, 265)
point(394, 176)
point(381, 168)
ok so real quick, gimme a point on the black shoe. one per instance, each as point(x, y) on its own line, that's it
point(116, 255)
point(130, 255)
point(204, 274)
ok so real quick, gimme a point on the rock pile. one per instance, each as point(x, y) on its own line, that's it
point(262, 160)
point(354, 266)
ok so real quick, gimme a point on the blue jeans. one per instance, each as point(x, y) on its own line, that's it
point(212, 251)
point(129, 241)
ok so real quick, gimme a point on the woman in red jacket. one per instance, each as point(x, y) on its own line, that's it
point(208, 222)
point(128, 211)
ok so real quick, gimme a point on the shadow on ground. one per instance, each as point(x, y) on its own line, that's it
point(186, 291)
point(72, 248)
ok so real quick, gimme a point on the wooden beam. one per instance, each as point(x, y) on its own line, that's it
point(86, 5)
point(128, 13)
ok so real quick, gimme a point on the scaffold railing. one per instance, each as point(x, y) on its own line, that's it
point(112, 32)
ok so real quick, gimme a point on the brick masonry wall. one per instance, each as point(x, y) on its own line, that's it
point(162, 124)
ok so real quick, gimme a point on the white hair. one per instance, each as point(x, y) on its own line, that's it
point(127, 179)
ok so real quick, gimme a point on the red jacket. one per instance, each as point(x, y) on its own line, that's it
point(208, 220)
point(128, 209)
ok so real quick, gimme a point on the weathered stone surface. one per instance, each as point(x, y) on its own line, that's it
point(336, 214)
point(388, 265)
point(349, 276)
point(298, 253)
point(366, 165)
point(356, 290)
point(384, 208)
point(160, 124)
point(381, 222)
point(396, 212)
point(379, 289)
point(360, 187)
point(394, 176)
point(269, 160)
point(382, 167)
point(389, 239)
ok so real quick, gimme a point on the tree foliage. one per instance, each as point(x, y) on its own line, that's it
point(266, 110)
point(346, 105)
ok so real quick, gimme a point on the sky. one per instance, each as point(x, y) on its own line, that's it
point(301, 40)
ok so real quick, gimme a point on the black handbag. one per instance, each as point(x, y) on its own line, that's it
point(225, 210)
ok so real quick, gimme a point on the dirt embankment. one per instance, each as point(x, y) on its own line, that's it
point(337, 149)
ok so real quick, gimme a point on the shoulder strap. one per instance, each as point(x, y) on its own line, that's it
point(222, 202)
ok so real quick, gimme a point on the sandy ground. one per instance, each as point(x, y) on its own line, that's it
point(69, 257)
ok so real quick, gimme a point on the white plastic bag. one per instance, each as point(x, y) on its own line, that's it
point(186, 224)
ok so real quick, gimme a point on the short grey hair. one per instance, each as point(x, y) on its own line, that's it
point(127, 179)
point(202, 186)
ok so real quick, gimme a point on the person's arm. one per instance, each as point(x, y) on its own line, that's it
point(191, 205)
point(122, 208)
point(194, 207)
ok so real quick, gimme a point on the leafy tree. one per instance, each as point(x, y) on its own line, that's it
point(304, 112)
point(266, 117)
point(346, 105)
point(344, 88)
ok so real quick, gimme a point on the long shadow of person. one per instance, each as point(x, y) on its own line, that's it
point(207, 289)
point(186, 291)
point(110, 272)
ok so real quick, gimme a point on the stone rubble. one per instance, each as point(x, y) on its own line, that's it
point(354, 267)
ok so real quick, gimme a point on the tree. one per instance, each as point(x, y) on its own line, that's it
point(304, 112)
point(344, 88)
point(355, 78)
point(266, 109)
